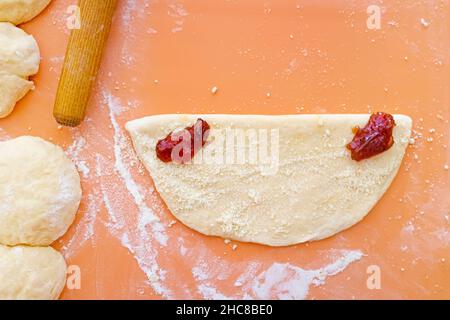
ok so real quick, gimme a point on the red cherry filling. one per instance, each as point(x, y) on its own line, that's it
point(375, 138)
point(182, 145)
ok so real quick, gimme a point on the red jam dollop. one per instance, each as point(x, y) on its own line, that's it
point(375, 138)
point(187, 141)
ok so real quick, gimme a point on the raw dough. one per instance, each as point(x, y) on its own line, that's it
point(19, 52)
point(19, 11)
point(316, 192)
point(28, 273)
point(12, 89)
point(19, 59)
point(39, 192)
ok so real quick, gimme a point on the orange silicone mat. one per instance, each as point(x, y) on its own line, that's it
point(265, 57)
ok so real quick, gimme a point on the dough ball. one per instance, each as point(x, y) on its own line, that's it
point(12, 89)
point(31, 273)
point(19, 52)
point(39, 192)
point(19, 11)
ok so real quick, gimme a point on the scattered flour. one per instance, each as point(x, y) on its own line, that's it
point(84, 229)
point(179, 13)
point(204, 274)
point(133, 235)
point(132, 10)
point(285, 281)
point(3, 135)
point(147, 217)
point(211, 293)
point(249, 274)
point(443, 235)
point(409, 228)
point(74, 151)
point(56, 59)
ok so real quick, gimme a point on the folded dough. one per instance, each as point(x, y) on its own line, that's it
point(19, 11)
point(19, 59)
point(19, 52)
point(315, 191)
point(12, 89)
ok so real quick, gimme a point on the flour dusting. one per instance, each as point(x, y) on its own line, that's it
point(134, 235)
point(84, 229)
point(203, 276)
point(178, 12)
point(74, 151)
point(147, 216)
point(285, 281)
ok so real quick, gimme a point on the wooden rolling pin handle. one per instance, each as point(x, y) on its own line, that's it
point(82, 61)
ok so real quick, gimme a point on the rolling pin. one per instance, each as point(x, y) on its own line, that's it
point(82, 61)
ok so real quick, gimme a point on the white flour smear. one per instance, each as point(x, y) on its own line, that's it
point(135, 236)
point(84, 228)
point(249, 274)
point(179, 14)
point(278, 281)
point(113, 187)
point(133, 9)
point(74, 150)
point(207, 270)
point(147, 216)
point(285, 281)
